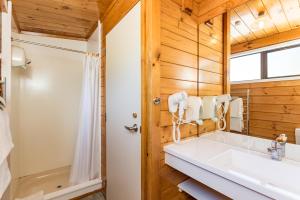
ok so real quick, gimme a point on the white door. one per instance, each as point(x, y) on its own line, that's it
point(123, 108)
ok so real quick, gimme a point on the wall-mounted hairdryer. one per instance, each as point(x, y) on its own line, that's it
point(223, 102)
point(177, 101)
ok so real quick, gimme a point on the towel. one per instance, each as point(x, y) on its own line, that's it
point(236, 124)
point(5, 177)
point(236, 108)
point(6, 146)
point(36, 196)
point(6, 143)
point(208, 110)
point(193, 108)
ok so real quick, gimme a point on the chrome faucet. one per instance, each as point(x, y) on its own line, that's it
point(277, 148)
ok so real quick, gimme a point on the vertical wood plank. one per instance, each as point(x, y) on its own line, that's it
point(151, 86)
point(226, 61)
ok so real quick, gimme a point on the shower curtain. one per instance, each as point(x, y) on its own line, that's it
point(86, 164)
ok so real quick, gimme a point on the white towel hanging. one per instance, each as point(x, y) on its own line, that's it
point(5, 177)
point(194, 105)
point(236, 108)
point(6, 143)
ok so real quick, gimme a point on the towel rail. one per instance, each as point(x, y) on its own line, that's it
point(245, 95)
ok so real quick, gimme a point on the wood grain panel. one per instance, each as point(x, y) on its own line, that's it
point(69, 18)
point(275, 99)
point(209, 9)
point(191, 63)
point(280, 16)
point(270, 134)
point(210, 77)
point(3, 6)
point(170, 86)
point(205, 39)
point(177, 26)
point(175, 56)
point(271, 108)
point(267, 41)
point(172, 8)
point(178, 72)
point(187, 130)
point(210, 54)
point(209, 65)
point(171, 39)
point(274, 107)
point(218, 34)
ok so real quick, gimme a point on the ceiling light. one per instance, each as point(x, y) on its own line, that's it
point(237, 23)
point(213, 39)
point(260, 22)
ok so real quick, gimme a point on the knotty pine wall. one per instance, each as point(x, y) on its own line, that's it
point(103, 105)
point(191, 63)
point(274, 107)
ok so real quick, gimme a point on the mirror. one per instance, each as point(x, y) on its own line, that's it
point(265, 71)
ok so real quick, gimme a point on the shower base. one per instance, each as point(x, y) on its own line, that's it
point(55, 185)
point(48, 181)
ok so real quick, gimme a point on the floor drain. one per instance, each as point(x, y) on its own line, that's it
point(59, 186)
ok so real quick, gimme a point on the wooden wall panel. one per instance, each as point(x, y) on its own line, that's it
point(103, 107)
point(189, 62)
point(274, 107)
point(3, 7)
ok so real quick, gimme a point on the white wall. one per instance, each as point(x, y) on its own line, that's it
point(93, 43)
point(46, 104)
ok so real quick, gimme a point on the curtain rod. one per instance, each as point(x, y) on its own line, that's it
point(52, 46)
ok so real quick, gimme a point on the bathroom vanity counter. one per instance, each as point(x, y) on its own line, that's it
point(237, 166)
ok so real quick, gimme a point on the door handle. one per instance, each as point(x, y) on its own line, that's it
point(133, 128)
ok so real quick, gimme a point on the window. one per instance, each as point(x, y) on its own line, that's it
point(283, 62)
point(245, 68)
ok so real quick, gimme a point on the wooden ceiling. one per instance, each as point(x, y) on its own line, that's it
point(279, 16)
point(3, 6)
point(78, 18)
point(66, 18)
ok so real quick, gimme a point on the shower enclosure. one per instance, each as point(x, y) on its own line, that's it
point(51, 100)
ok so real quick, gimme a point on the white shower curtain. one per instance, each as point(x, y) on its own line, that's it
point(86, 164)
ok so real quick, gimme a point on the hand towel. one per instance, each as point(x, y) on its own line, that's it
point(236, 108)
point(193, 108)
point(6, 143)
point(5, 177)
point(236, 124)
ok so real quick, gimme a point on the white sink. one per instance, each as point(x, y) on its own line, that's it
point(228, 163)
point(279, 177)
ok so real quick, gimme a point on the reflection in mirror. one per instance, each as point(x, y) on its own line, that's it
point(269, 106)
point(265, 69)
